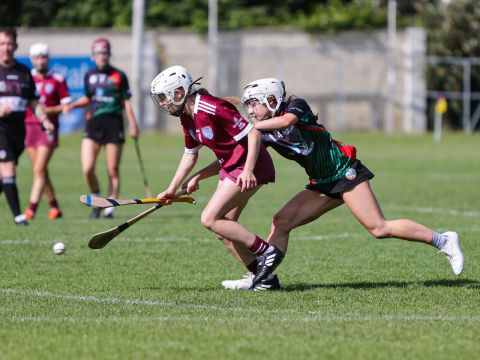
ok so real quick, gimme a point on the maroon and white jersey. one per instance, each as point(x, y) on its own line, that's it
point(218, 125)
point(53, 91)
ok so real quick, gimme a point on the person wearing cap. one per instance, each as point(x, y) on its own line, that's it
point(53, 91)
point(17, 92)
point(107, 96)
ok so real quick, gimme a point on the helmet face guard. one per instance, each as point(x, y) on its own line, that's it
point(263, 90)
point(170, 89)
point(166, 104)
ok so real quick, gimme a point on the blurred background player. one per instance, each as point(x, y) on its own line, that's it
point(243, 163)
point(40, 145)
point(17, 91)
point(107, 95)
point(336, 177)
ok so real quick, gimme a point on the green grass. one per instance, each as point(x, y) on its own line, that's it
point(154, 292)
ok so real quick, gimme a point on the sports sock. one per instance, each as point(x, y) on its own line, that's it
point(259, 246)
point(53, 203)
point(11, 193)
point(252, 267)
point(33, 206)
point(439, 240)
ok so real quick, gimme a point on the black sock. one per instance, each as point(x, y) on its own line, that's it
point(11, 193)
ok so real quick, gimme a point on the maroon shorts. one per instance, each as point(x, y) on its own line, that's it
point(36, 136)
point(263, 171)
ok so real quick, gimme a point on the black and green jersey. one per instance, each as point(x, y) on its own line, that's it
point(107, 90)
point(310, 145)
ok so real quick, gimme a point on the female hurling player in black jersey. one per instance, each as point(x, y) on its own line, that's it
point(336, 177)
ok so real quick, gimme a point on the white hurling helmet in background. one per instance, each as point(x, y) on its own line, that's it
point(262, 89)
point(162, 89)
point(39, 49)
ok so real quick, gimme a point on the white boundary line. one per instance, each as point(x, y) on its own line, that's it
point(205, 240)
point(436, 211)
point(310, 315)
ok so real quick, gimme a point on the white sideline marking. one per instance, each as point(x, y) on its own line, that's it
point(295, 237)
point(312, 315)
point(189, 319)
point(437, 211)
point(100, 300)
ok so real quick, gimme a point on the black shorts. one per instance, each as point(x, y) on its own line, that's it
point(354, 176)
point(12, 140)
point(105, 129)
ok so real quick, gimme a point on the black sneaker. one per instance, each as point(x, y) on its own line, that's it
point(266, 263)
point(20, 220)
point(270, 283)
point(95, 214)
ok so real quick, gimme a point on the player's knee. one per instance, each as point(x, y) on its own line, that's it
point(39, 172)
point(207, 220)
point(379, 231)
point(281, 222)
point(88, 171)
point(113, 172)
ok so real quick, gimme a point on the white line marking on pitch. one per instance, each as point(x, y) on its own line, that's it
point(437, 211)
point(188, 318)
point(312, 315)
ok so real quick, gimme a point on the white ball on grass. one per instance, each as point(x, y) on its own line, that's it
point(59, 248)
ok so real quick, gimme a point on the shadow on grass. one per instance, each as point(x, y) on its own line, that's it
point(459, 283)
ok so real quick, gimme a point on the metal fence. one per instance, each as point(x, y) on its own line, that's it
point(466, 95)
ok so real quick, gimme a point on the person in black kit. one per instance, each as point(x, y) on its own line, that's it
point(107, 94)
point(17, 91)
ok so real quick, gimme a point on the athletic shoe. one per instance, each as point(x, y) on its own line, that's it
point(54, 213)
point(20, 220)
point(108, 212)
point(270, 283)
point(266, 263)
point(29, 214)
point(241, 284)
point(452, 251)
point(95, 214)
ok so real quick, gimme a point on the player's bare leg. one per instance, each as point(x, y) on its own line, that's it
point(364, 206)
point(40, 157)
point(227, 197)
point(238, 251)
point(89, 154)
point(302, 209)
point(113, 153)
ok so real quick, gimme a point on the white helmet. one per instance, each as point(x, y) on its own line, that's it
point(162, 89)
point(262, 89)
point(39, 49)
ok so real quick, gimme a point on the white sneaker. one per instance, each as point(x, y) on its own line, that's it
point(452, 251)
point(242, 284)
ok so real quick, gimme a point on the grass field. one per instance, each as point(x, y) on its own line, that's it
point(155, 292)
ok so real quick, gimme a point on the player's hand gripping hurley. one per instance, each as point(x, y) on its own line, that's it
point(99, 240)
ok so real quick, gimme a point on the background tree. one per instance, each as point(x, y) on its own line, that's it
point(453, 30)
